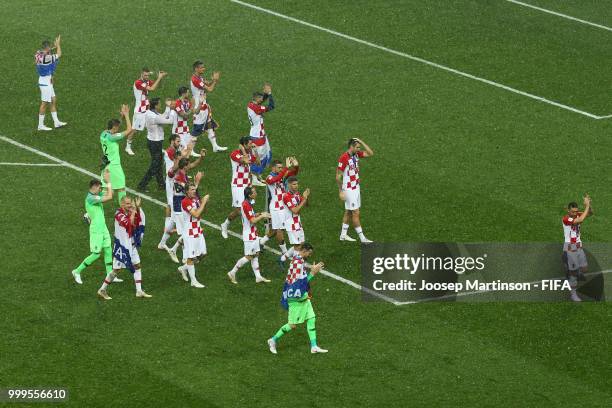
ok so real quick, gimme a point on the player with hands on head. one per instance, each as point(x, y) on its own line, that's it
point(347, 178)
point(573, 253)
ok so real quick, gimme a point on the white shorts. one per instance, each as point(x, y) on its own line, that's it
point(133, 256)
point(46, 92)
point(237, 196)
point(185, 140)
point(278, 219)
point(352, 199)
point(252, 247)
point(193, 247)
point(138, 122)
point(178, 221)
point(296, 237)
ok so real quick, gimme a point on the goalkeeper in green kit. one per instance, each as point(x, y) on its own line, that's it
point(109, 139)
point(99, 237)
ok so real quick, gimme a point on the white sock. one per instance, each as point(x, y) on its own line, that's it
point(255, 266)
point(108, 280)
point(289, 254)
point(191, 272)
point(167, 229)
point(283, 247)
point(212, 138)
point(241, 262)
point(129, 142)
point(573, 282)
point(138, 279)
point(176, 244)
point(345, 228)
point(41, 120)
point(359, 232)
point(226, 222)
point(263, 240)
point(54, 116)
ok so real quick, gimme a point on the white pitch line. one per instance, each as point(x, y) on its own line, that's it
point(61, 162)
point(478, 292)
point(555, 13)
point(422, 61)
point(31, 164)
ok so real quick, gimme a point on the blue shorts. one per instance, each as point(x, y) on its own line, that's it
point(197, 130)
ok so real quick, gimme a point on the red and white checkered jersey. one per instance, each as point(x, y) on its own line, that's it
point(255, 113)
point(191, 224)
point(197, 89)
point(349, 165)
point(202, 117)
point(241, 173)
point(276, 187)
point(296, 269)
point(293, 222)
point(249, 229)
point(180, 125)
point(570, 230)
point(141, 91)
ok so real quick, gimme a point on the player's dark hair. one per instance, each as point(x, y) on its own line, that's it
point(291, 179)
point(276, 162)
point(112, 123)
point(247, 192)
point(306, 246)
point(94, 182)
point(352, 142)
point(153, 103)
point(145, 69)
point(46, 44)
point(197, 63)
point(182, 90)
point(573, 204)
point(244, 140)
point(184, 162)
point(257, 94)
point(173, 137)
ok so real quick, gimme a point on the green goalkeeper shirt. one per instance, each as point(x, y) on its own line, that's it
point(93, 206)
point(110, 146)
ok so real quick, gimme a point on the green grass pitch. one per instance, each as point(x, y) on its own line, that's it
point(455, 160)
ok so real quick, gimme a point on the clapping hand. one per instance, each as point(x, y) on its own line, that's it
point(125, 110)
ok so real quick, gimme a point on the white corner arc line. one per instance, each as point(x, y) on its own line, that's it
point(422, 61)
point(64, 163)
point(31, 164)
point(555, 13)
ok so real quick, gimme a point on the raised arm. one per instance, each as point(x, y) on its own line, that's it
point(125, 111)
point(108, 194)
point(197, 212)
point(586, 212)
point(368, 152)
point(210, 85)
point(58, 46)
point(160, 76)
point(197, 161)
